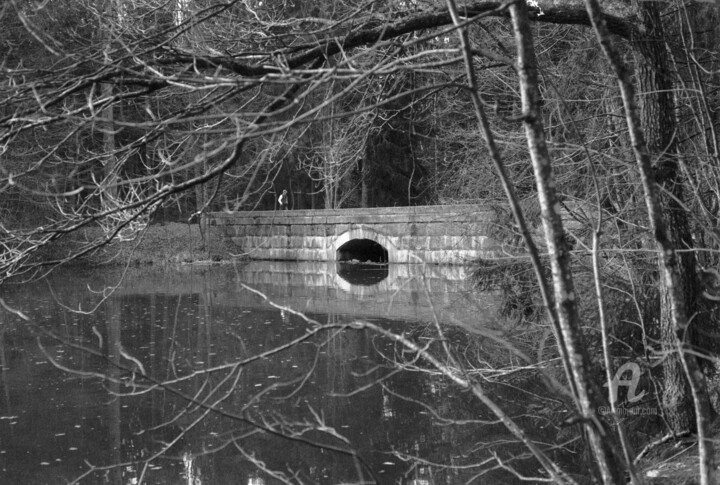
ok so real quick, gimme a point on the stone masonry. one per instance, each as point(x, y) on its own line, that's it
point(422, 234)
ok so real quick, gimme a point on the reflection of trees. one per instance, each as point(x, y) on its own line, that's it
point(114, 347)
point(311, 397)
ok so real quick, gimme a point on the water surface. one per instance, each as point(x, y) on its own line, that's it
point(207, 375)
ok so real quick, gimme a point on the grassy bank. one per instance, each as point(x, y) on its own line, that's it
point(164, 243)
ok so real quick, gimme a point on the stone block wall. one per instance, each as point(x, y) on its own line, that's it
point(429, 234)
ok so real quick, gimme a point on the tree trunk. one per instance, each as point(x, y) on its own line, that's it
point(657, 119)
point(586, 393)
point(654, 123)
point(110, 162)
point(364, 184)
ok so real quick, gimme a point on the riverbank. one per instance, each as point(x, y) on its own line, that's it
point(157, 244)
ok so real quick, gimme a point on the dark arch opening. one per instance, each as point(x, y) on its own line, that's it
point(362, 262)
point(362, 251)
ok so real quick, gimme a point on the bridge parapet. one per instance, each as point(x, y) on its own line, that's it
point(420, 234)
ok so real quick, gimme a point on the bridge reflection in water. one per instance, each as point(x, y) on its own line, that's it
point(408, 292)
point(411, 292)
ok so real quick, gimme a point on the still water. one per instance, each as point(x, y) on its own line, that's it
point(209, 375)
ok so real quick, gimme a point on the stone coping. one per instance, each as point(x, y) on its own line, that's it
point(428, 213)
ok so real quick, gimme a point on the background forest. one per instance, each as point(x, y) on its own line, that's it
point(597, 121)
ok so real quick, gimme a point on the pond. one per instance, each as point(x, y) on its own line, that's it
point(256, 374)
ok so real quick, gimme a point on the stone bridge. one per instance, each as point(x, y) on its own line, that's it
point(445, 234)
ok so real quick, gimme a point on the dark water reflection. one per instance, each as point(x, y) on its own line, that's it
point(362, 274)
point(184, 376)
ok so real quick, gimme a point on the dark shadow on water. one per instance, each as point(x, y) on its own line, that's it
point(363, 274)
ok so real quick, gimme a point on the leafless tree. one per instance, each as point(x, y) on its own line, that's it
point(127, 106)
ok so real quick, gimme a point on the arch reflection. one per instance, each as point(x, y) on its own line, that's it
point(361, 274)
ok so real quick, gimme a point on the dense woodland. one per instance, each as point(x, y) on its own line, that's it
point(596, 121)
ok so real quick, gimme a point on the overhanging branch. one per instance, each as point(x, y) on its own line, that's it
point(371, 32)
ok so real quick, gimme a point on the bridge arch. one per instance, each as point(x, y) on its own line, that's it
point(416, 234)
point(363, 235)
